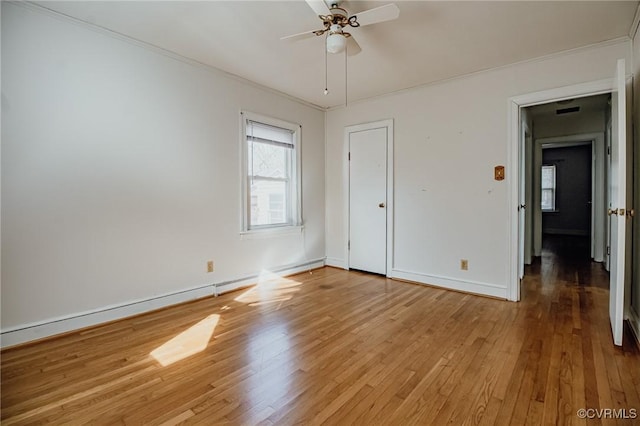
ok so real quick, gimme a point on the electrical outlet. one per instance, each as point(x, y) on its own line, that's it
point(210, 266)
point(464, 264)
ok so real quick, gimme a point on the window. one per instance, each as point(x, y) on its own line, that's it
point(271, 178)
point(548, 195)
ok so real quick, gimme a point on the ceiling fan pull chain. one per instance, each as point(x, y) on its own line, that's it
point(326, 78)
point(345, 76)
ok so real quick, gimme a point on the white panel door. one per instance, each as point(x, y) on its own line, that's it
point(617, 189)
point(521, 203)
point(607, 256)
point(368, 200)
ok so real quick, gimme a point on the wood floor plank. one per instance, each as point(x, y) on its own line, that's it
point(340, 347)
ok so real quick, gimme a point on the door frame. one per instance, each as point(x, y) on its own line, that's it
point(598, 187)
point(388, 124)
point(514, 105)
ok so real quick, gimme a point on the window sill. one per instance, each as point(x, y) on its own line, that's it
point(281, 231)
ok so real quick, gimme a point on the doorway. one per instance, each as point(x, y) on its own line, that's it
point(566, 176)
point(370, 196)
point(566, 200)
point(616, 183)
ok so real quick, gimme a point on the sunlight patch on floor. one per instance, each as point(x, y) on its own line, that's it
point(271, 288)
point(191, 341)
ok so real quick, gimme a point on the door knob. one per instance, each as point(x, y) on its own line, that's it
point(631, 213)
point(612, 212)
point(381, 205)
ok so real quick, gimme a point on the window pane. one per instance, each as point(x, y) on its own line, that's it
point(548, 177)
point(268, 160)
point(270, 202)
point(276, 208)
point(547, 199)
point(548, 184)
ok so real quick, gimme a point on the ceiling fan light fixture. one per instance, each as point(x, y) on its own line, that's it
point(336, 43)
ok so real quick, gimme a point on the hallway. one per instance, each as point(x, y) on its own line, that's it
point(567, 258)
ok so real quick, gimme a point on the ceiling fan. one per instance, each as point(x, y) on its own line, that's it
point(336, 18)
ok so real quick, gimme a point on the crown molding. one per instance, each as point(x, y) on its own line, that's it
point(588, 47)
point(636, 22)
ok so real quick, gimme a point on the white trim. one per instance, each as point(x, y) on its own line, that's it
point(116, 35)
point(485, 289)
point(619, 40)
point(346, 196)
point(326, 210)
point(227, 286)
point(273, 232)
point(38, 330)
point(514, 104)
point(388, 124)
point(50, 327)
point(336, 262)
point(40, 8)
point(634, 322)
point(579, 90)
point(635, 23)
point(558, 231)
point(560, 144)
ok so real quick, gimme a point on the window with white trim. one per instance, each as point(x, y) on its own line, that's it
point(548, 195)
point(271, 173)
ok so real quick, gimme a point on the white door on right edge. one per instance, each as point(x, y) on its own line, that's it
point(617, 189)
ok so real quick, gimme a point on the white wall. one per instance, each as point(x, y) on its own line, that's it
point(121, 172)
point(448, 138)
point(548, 126)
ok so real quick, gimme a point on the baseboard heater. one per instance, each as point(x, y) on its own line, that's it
point(54, 326)
point(251, 279)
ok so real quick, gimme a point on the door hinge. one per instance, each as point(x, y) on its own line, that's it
point(349, 245)
point(608, 150)
point(349, 156)
point(608, 250)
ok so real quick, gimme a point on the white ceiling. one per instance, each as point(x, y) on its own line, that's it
point(430, 41)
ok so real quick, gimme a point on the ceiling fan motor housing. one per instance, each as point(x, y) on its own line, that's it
point(338, 16)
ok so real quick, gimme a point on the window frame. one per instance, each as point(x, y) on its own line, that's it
point(553, 189)
point(295, 208)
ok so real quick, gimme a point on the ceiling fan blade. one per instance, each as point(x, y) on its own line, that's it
point(299, 36)
point(378, 14)
point(319, 7)
point(353, 48)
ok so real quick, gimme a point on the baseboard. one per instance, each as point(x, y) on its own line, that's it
point(36, 331)
point(576, 232)
point(336, 263)
point(231, 285)
point(484, 289)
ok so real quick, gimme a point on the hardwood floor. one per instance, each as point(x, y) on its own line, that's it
point(340, 347)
